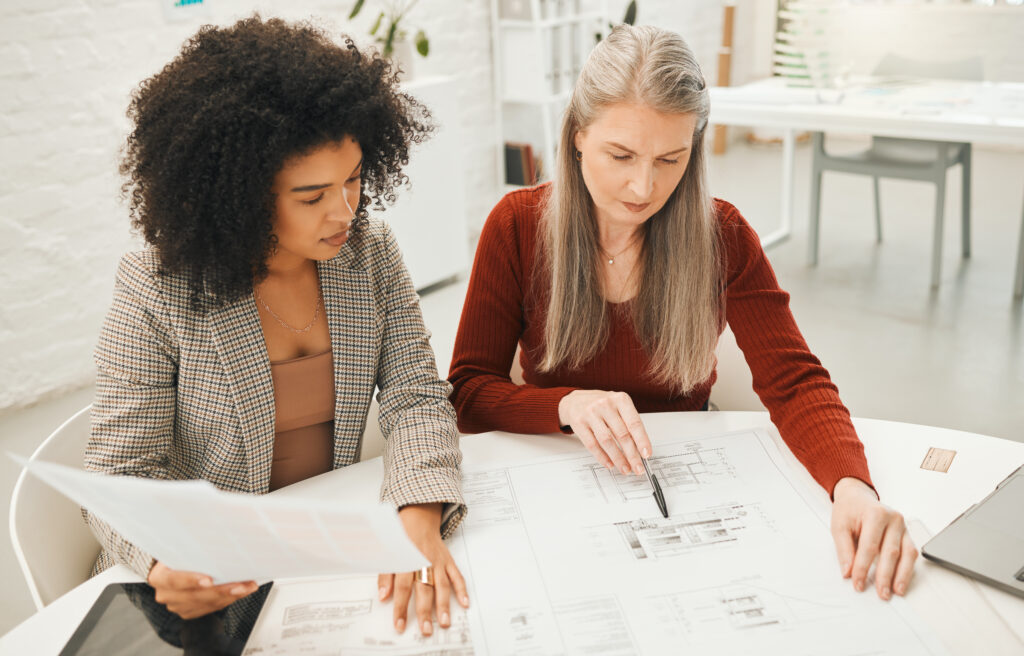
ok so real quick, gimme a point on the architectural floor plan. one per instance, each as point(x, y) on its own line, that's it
point(565, 557)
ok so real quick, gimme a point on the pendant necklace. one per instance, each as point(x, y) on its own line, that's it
point(611, 258)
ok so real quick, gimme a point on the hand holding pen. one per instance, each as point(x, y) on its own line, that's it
point(609, 426)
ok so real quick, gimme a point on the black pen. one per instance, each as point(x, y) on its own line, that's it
point(658, 495)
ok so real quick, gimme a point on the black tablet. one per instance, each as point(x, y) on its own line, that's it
point(126, 619)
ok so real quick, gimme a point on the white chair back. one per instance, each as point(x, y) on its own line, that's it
point(734, 388)
point(373, 439)
point(516, 371)
point(54, 547)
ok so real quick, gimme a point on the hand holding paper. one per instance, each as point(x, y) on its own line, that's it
point(191, 595)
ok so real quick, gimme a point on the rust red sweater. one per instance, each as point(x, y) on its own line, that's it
point(500, 313)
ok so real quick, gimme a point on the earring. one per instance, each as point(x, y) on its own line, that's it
point(579, 156)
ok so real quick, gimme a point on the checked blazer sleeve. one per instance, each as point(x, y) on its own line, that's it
point(133, 413)
point(421, 451)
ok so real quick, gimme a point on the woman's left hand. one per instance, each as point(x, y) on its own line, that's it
point(423, 525)
point(865, 530)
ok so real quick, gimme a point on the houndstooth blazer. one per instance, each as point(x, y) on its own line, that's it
point(187, 394)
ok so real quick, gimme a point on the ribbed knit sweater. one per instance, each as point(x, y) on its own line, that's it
point(501, 312)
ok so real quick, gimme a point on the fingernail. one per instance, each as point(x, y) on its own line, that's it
point(646, 452)
point(445, 619)
point(886, 593)
point(900, 588)
point(639, 469)
point(238, 589)
point(383, 593)
point(625, 470)
point(845, 569)
point(427, 627)
point(400, 624)
point(465, 602)
point(205, 583)
point(859, 585)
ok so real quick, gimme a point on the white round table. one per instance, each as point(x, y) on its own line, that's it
point(968, 617)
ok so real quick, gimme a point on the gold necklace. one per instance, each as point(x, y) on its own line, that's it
point(611, 258)
point(300, 331)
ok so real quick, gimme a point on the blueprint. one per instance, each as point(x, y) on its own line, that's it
point(565, 557)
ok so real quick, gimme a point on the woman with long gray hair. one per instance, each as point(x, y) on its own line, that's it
point(616, 280)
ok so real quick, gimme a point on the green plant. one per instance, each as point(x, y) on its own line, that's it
point(390, 18)
point(628, 19)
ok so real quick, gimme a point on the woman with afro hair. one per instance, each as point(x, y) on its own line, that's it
point(244, 343)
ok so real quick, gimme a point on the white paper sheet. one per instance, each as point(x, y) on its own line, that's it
point(326, 617)
point(191, 525)
point(564, 557)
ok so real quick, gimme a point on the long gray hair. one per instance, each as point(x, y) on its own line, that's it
point(677, 309)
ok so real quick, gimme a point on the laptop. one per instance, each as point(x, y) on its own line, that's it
point(986, 542)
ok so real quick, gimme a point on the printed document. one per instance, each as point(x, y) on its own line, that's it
point(344, 616)
point(191, 525)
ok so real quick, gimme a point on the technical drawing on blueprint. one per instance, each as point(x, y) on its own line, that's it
point(693, 467)
point(664, 537)
point(335, 616)
point(565, 557)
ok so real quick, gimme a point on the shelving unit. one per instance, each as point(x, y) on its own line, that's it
point(429, 218)
point(539, 47)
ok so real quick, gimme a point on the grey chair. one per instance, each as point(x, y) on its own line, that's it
point(907, 159)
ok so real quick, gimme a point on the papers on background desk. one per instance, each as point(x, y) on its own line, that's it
point(191, 525)
point(772, 93)
point(1001, 103)
point(563, 556)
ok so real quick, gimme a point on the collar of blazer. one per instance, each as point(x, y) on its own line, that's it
point(349, 306)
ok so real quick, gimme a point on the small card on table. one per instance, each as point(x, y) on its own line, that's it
point(938, 459)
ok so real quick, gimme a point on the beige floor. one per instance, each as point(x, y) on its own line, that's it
point(897, 351)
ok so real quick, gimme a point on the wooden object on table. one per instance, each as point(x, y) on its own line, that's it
point(724, 69)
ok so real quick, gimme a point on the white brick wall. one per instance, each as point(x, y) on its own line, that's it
point(66, 70)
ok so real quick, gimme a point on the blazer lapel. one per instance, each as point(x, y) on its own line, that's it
point(238, 337)
point(355, 342)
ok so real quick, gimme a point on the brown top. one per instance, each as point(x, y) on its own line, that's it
point(304, 426)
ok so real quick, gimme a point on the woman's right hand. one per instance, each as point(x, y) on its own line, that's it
point(191, 595)
point(609, 426)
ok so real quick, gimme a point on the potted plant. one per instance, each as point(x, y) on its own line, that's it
point(628, 19)
point(389, 32)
